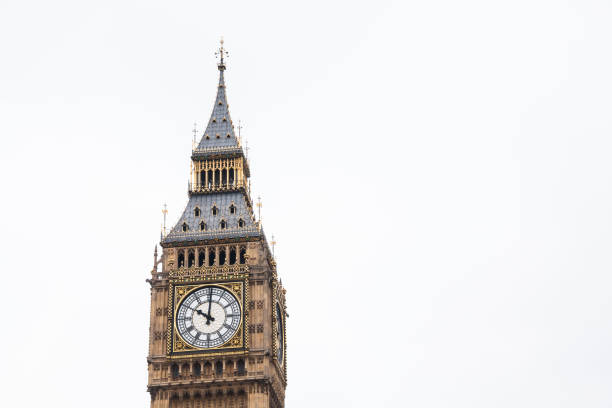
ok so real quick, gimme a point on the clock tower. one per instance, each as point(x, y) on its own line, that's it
point(217, 325)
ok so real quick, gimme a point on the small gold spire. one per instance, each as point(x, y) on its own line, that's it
point(273, 242)
point(259, 208)
point(165, 212)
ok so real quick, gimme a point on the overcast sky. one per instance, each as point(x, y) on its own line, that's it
point(437, 175)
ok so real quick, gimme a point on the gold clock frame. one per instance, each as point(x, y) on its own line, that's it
point(237, 344)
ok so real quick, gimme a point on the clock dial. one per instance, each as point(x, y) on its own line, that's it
point(208, 317)
point(280, 340)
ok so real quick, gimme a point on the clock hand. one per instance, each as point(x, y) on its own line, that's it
point(209, 317)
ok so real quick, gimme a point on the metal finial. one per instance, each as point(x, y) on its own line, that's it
point(273, 242)
point(221, 53)
point(195, 132)
point(259, 208)
point(165, 212)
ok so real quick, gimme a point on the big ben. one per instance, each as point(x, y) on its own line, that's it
point(218, 310)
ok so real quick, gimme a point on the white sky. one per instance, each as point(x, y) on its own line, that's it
point(437, 174)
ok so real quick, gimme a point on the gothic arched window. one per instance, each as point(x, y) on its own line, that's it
point(215, 210)
point(196, 212)
point(185, 227)
point(240, 367)
point(232, 209)
point(202, 226)
point(201, 256)
point(219, 368)
point(241, 223)
point(242, 255)
point(232, 255)
point(223, 224)
point(211, 256)
point(191, 259)
point(222, 256)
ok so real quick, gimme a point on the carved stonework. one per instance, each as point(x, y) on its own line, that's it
point(243, 370)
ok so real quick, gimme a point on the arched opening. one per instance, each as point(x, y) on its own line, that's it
point(202, 226)
point(222, 256)
point(196, 212)
point(229, 367)
point(240, 368)
point(174, 370)
point(231, 177)
point(185, 227)
point(223, 224)
point(215, 210)
point(197, 369)
point(211, 257)
point(232, 209)
point(242, 255)
point(210, 179)
point(201, 256)
point(224, 177)
point(203, 178)
point(207, 368)
point(181, 259)
point(219, 368)
point(191, 259)
point(232, 255)
point(241, 223)
point(217, 178)
point(185, 370)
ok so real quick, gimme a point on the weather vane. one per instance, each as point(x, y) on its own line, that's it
point(221, 52)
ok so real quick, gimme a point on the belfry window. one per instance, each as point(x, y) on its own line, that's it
point(175, 370)
point(224, 177)
point(197, 369)
point(211, 256)
point(231, 177)
point(181, 259)
point(185, 227)
point(222, 257)
point(201, 256)
point(210, 179)
point(196, 212)
point(232, 209)
point(191, 259)
point(202, 226)
point(242, 255)
point(232, 255)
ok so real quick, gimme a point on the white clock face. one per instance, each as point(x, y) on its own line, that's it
point(279, 334)
point(208, 317)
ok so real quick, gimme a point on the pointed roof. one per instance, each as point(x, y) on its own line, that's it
point(220, 129)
